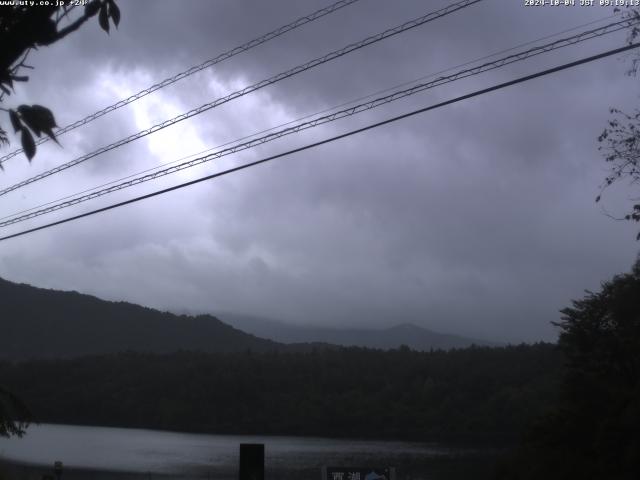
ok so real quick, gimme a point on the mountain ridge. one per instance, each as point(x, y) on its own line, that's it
point(409, 334)
point(46, 323)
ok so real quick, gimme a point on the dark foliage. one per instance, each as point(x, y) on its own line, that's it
point(24, 28)
point(471, 394)
point(595, 432)
point(620, 140)
point(14, 415)
point(621, 146)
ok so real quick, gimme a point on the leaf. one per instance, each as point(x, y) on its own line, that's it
point(47, 31)
point(6, 79)
point(39, 119)
point(28, 145)
point(91, 8)
point(597, 198)
point(30, 119)
point(46, 120)
point(15, 120)
point(45, 115)
point(103, 19)
point(114, 12)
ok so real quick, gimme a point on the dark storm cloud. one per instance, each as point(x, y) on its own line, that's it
point(476, 219)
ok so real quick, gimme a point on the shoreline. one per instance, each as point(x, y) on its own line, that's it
point(15, 470)
point(161, 455)
point(458, 441)
point(435, 468)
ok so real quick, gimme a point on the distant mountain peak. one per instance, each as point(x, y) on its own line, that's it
point(407, 327)
point(410, 334)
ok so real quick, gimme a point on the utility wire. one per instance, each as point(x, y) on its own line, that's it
point(290, 122)
point(581, 37)
point(252, 88)
point(325, 110)
point(329, 109)
point(332, 139)
point(209, 63)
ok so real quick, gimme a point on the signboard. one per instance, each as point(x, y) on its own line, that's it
point(57, 468)
point(358, 473)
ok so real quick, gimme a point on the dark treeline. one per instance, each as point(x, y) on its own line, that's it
point(468, 394)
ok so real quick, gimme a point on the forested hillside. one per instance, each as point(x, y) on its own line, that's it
point(475, 393)
point(41, 323)
point(36, 323)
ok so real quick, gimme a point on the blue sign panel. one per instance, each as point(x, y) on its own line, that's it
point(358, 473)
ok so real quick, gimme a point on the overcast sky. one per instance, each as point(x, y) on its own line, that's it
point(476, 219)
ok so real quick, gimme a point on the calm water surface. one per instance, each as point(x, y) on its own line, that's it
point(135, 450)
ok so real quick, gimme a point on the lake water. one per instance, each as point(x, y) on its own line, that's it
point(176, 454)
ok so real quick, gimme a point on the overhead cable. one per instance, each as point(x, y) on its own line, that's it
point(252, 88)
point(331, 139)
point(190, 71)
point(578, 38)
point(310, 115)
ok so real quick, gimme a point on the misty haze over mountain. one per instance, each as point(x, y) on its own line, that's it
point(48, 323)
point(478, 218)
point(415, 337)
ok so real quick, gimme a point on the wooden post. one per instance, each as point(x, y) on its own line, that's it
point(251, 461)
point(57, 468)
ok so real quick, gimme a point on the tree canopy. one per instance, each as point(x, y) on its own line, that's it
point(24, 28)
point(620, 140)
point(14, 415)
point(478, 394)
point(593, 433)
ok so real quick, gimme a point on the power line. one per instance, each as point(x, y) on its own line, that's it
point(337, 115)
point(332, 139)
point(252, 88)
point(325, 110)
point(581, 37)
point(190, 71)
point(310, 115)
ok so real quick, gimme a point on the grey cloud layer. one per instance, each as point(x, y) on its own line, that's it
point(475, 219)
